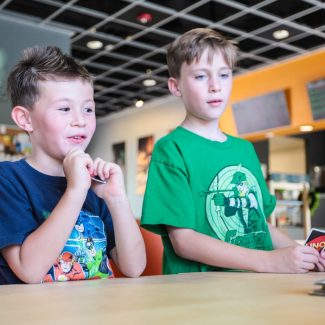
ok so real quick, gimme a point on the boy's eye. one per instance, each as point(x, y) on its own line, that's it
point(88, 110)
point(200, 76)
point(225, 75)
point(64, 109)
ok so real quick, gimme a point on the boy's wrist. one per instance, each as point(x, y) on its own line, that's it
point(76, 193)
point(116, 200)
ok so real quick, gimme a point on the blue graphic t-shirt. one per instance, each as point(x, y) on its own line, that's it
point(27, 198)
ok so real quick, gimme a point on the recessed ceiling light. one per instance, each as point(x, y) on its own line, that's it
point(144, 17)
point(269, 135)
point(95, 45)
point(280, 34)
point(109, 47)
point(99, 87)
point(149, 82)
point(139, 103)
point(306, 128)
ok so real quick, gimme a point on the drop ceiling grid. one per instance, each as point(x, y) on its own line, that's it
point(134, 47)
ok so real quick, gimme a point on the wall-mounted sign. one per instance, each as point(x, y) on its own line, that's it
point(261, 113)
point(145, 148)
point(119, 156)
point(316, 91)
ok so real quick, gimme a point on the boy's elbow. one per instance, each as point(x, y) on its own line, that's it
point(135, 272)
point(31, 278)
point(181, 239)
point(134, 268)
point(28, 275)
point(33, 281)
point(180, 250)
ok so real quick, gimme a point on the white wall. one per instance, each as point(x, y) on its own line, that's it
point(287, 155)
point(155, 118)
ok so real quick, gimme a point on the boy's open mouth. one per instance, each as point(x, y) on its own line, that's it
point(215, 101)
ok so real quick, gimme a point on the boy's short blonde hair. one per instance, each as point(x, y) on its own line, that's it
point(190, 46)
point(41, 63)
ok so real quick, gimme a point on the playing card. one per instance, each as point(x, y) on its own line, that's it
point(98, 180)
point(316, 239)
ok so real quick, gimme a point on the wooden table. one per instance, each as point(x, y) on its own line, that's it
point(197, 298)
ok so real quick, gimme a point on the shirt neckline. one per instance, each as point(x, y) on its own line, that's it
point(225, 144)
point(60, 180)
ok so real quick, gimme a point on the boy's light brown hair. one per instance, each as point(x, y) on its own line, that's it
point(190, 46)
point(41, 63)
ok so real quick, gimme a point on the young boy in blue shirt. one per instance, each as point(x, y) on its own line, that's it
point(56, 222)
point(206, 195)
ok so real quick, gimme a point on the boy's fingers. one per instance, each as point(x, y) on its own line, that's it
point(100, 167)
point(74, 152)
point(310, 250)
point(320, 267)
point(308, 265)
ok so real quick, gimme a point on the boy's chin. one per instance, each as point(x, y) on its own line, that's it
point(77, 146)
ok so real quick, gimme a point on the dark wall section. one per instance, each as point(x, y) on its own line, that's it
point(15, 36)
point(262, 150)
point(315, 148)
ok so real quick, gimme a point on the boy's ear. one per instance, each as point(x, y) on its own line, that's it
point(173, 87)
point(21, 116)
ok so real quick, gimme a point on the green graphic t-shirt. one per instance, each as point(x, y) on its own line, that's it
point(215, 188)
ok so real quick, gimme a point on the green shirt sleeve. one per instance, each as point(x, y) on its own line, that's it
point(168, 199)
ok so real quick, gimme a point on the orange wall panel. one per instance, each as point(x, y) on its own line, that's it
point(291, 75)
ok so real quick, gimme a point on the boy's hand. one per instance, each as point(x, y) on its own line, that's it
point(320, 266)
point(78, 166)
point(294, 259)
point(113, 175)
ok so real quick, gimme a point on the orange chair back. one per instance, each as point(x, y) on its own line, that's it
point(154, 250)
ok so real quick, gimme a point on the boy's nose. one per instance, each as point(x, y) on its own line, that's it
point(214, 86)
point(78, 120)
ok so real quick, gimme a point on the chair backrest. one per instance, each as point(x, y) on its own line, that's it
point(154, 250)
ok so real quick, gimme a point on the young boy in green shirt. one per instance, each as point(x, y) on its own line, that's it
point(206, 195)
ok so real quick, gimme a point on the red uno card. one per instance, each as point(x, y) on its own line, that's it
point(316, 239)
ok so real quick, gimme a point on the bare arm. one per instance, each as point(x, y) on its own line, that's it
point(32, 260)
point(129, 253)
point(279, 239)
point(192, 245)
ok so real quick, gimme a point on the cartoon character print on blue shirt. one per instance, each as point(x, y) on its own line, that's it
point(84, 255)
point(86, 227)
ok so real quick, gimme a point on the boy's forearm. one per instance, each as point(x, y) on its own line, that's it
point(129, 253)
point(195, 246)
point(205, 249)
point(279, 239)
point(32, 260)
